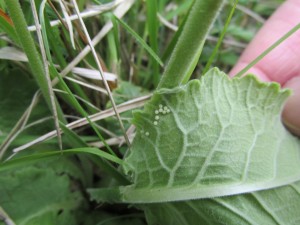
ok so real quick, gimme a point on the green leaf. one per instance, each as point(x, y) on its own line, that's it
point(16, 92)
point(25, 160)
point(214, 137)
point(278, 206)
point(38, 196)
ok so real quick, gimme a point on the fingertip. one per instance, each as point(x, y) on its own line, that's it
point(291, 112)
point(282, 63)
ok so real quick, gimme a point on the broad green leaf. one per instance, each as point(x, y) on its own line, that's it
point(210, 138)
point(278, 206)
point(39, 196)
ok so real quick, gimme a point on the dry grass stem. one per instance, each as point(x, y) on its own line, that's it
point(100, 71)
point(5, 218)
point(119, 12)
point(91, 86)
point(79, 98)
point(93, 11)
point(112, 141)
point(20, 125)
point(129, 105)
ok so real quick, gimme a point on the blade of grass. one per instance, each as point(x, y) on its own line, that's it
point(25, 160)
point(77, 142)
point(46, 70)
point(30, 50)
point(113, 46)
point(268, 50)
point(68, 22)
point(153, 25)
point(101, 72)
point(7, 26)
point(120, 11)
point(215, 51)
point(187, 51)
point(140, 41)
point(80, 108)
point(62, 82)
point(56, 46)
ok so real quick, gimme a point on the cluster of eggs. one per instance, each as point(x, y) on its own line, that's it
point(162, 110)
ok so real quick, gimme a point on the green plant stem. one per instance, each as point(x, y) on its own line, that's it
point(30, 50)
point(187, 51)
point(268, 50)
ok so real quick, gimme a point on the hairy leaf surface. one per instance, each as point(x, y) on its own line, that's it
point(210, 138)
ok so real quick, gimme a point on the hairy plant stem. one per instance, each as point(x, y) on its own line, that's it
point(30, 50)
point(187, 51)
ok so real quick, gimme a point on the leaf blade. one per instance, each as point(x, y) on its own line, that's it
point(217, 140)
point(25, 160)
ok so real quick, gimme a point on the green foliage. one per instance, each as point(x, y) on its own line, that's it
point(32, 197)
point(29, 48)
point(13, 163)
point(215, 141)
point(141, 42)
point(212, 151)
point(9, 29)
point(16, 91)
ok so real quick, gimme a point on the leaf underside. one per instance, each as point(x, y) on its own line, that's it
point(212, 137)
point(276, 206)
